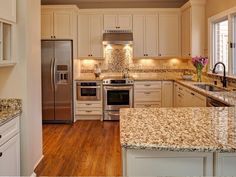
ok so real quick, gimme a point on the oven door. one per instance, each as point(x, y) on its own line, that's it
point(116, 97)
point(88, 93)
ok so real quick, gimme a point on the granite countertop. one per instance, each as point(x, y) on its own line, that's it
point(228, 97)
point(9, 109)
point(179, 129)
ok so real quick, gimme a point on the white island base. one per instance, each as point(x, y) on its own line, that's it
point(165, 163)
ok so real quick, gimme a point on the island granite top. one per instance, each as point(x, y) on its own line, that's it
point(179, 129)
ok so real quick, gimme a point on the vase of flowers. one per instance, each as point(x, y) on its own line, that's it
point(199, 62)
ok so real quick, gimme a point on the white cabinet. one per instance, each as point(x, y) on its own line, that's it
point(10, 148)
point(117, 21)
point(8, 10)
point(88, 110)
point(167, 94)
point(161, 163)
point(193, 28)
point(147, 94)
point(58, 22)
point(6, 44)
point(145, 31)
point(169, 34)
point(185, 97)
point(90, 36)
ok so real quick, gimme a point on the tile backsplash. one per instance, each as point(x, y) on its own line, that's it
point(118, 57)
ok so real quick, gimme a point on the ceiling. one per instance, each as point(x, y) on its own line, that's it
point(84, 4)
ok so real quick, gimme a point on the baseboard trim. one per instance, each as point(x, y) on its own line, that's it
point(38, 162)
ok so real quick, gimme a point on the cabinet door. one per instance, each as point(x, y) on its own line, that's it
point(124, 22)
point(8, 10)
point(10, 157)
point(138, 32)
point(84, 36)
point(186, 44)
point(169, 33)
point(167, 94)
point(110, 22)
point(47, 24)
point(151, 31)
point(96, 35)
point(63, 25)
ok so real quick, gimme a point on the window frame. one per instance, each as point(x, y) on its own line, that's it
point(229, 15)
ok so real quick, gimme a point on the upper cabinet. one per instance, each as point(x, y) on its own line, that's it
point(90, 27)
point(58, 22)
point(8, 10)
point(157, 35)
point(117, 21)
point(7, 32)
point(193, 28)
point(145, 30)
point(169, 34)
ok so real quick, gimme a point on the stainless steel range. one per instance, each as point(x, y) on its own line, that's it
point(118, 93)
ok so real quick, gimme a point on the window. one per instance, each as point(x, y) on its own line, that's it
point(220, 45)
point(222, 40)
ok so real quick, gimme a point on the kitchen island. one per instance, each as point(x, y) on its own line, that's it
point(178, 141)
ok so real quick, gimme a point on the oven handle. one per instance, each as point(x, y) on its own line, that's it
point(118, 88)
point(96, 87)
point(113, 114)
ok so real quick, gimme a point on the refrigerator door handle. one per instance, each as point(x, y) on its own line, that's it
point(52, 72)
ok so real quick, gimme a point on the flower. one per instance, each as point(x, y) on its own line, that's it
point(199, 61)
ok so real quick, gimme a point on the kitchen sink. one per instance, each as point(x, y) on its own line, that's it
point(209, 87)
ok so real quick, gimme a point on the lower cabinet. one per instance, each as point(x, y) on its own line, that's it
point(89, 110)
point(167, 94)
point(165, 163)
point(147, 94)
point(184, 97)
point(10, 149)
point(161, 163)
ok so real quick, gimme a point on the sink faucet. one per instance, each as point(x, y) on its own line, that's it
point(224, 80)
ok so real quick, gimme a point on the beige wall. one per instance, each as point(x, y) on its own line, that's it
point(214, 7)
point(24, 81)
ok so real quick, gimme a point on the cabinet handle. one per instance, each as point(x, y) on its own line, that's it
point(0, 136)
point(192, 94)
point(88, 104)
point(189, 54)
point(0, 154)
point(147, 85)
point(159, 54)
point(51, 37)
point(89, 111)
point(147, 105)
point(147, 93)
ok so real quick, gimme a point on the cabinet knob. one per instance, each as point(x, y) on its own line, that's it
point(0, 154)
point(159, 54)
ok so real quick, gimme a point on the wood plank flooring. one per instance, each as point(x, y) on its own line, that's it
point(86, 148)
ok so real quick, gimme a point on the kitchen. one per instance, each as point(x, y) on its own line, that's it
point(109, 71)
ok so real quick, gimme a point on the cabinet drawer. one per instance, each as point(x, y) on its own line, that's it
point(147, 85)
point(89, 105)
point(8, 130)
point(154, 96)
point(148, 105)
point(88, 112)
point(10, 157)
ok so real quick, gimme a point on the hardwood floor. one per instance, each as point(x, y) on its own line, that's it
point(87, 148)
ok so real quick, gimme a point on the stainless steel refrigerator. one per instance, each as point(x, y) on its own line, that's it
point(57, 81)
